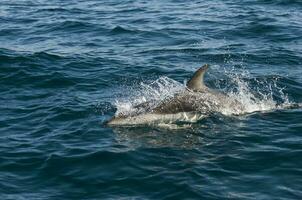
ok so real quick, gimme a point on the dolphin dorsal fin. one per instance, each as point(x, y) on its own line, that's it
point(196, 82)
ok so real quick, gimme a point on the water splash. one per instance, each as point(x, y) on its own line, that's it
point(255, 94)
point(154, 93)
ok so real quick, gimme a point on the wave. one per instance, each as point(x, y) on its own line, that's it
point(281, 2)
point(60, 10)
point(121, 30)
point(67, 26)
point(7, 54)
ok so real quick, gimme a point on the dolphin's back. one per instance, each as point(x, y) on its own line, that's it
point(177, 104)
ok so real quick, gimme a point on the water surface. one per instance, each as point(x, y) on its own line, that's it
point(64, 65)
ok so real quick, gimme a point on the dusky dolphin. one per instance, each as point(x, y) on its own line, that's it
point(190, 105)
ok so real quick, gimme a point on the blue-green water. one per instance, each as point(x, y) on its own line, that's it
point(67, 66)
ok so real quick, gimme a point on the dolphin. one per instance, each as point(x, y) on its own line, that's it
point(189, 105)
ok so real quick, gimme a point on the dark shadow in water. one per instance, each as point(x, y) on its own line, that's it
point(156, 138)
point(180, 136)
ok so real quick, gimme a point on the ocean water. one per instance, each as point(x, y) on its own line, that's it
point(66, 67)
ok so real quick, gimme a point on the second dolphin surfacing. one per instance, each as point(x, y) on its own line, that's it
point(190, 105)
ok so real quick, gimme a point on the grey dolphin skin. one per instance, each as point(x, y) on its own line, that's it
point(191, 104)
